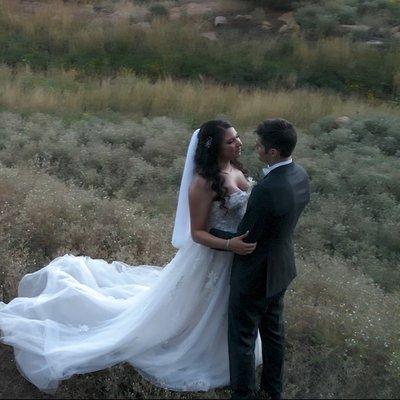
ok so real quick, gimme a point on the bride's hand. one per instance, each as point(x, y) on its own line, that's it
point(237, 245)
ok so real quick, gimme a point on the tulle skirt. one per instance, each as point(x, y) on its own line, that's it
point(79, 315)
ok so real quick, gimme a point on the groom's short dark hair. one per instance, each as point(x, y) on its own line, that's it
point(279, 134)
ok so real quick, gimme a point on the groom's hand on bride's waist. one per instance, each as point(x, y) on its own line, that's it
point(239, 246)
point(236, 242)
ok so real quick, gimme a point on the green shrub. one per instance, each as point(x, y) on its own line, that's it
point(347, 14)
point(317, 19)
point(356, 194)
point(282, 5)
point(158, 10)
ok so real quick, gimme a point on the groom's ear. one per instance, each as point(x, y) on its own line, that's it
point(274, 152)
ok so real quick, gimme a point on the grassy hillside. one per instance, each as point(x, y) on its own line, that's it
point(61, 35)
point(96, 112)
point(65, 187)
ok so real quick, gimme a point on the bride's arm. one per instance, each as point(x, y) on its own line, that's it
point(200, 202)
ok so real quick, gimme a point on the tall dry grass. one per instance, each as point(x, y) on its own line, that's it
point(65, 92)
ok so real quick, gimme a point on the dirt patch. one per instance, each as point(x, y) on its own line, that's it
point(118, 382)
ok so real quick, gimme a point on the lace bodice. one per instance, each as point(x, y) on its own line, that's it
point(228, 218)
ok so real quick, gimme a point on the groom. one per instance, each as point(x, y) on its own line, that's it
point(259, 280)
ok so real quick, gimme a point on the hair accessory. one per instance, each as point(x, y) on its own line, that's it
point(208, 142)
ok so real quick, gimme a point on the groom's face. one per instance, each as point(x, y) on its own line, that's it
point(260, 149)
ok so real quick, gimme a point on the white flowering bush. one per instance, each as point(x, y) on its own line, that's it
point(355, 203)
point(108, 189)
point(115, 159)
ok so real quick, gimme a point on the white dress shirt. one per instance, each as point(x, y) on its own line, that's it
point(269, 168)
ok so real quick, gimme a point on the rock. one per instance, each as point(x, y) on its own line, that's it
point(283, 28)
point(383, 31)
point(395, 29)
point(258, 15)
point(210, 35)
point(143, 25)
point(289, 28)
point(355, 28)
point(220, 21)
point(290, 24)
point(190, 10)
point(287, 18)
point(343, 120)
point(175, 13)
point(103, 7)
point(136, 16)
point(243, 18)
point(193, 9)
point(374, 42)
point(266, 26)
point(396, 35)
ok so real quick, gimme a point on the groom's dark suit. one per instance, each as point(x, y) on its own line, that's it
point(259, 280)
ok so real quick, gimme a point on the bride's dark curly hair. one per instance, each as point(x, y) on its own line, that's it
point(211, 136)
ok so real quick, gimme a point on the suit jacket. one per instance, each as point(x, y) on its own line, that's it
point(273, 210)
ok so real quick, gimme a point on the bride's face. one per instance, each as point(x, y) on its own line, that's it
point(231, 145)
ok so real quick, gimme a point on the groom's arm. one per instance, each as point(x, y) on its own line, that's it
point(254, 220)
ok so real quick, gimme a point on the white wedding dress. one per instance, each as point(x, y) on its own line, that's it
point(79, 315)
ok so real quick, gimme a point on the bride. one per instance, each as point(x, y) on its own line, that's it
point(78, 314)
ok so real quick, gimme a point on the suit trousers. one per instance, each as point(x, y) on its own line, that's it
point(247, 314)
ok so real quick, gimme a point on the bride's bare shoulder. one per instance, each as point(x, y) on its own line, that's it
point(200, 185)
point(199, 181)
